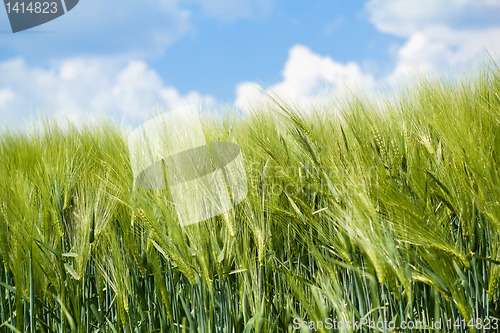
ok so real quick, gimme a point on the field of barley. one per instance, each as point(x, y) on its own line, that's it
point(385, 211)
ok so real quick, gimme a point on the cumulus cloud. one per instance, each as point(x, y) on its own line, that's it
point(305, 76)
point(443, 48)
point(441, 34)
point(306, 72)
point(405, 17)
point(82, 88)
point(249, 95)
point(6, 96)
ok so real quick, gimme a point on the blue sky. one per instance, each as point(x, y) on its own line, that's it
point(124, 57)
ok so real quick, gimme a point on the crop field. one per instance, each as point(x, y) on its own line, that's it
point(383, 214)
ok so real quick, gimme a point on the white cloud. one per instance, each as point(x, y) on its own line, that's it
point(132, 29)
point(82, 88)
point(441, 34)
point(305, 76)
point(6, 96)
point(248, 96)
point(306, 73)
point(443, 48)
point(405, 17)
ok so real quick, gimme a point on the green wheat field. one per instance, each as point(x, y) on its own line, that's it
point(377, 210)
